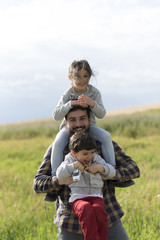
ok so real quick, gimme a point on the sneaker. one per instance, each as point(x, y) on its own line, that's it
point(122, 184)
point(50, 197)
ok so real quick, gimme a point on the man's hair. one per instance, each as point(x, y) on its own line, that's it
point(78, 107)
point(82, 141)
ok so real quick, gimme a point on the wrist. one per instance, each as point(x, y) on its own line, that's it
point(101, 169)
point(92, 104)
point(55, 182)
point(75, 164)
point(59, 182)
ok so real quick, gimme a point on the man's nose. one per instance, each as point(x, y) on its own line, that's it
point(78, 122)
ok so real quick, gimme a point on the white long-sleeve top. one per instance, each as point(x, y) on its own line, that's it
point(64, 104)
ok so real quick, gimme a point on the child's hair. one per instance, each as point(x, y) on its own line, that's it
point(82, 141)
point(76, 66)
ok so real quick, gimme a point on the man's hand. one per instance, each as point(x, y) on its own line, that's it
point(66, 181)
point(94, 168)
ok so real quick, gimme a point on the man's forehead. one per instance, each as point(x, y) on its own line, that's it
point(77, 113)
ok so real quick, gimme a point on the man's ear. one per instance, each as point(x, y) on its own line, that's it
point(73, 153)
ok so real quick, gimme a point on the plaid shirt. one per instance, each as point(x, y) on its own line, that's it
point(126, 169)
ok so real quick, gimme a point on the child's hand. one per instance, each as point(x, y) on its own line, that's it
point(78, 102)
point(94, 168)
point(85, 99)
point(79, 166)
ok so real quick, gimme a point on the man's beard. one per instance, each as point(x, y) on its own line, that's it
point(78, 129)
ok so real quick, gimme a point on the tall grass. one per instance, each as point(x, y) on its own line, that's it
point(42, 128)
point(22, 212)
point(134, 125)
point(141, 202)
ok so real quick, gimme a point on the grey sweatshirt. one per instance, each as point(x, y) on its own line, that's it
point(89, 184)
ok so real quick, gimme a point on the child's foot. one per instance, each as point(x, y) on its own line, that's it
point(122, 184)
point(50, 197)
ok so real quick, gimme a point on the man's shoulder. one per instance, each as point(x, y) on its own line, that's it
point(116, 146)
point(66, 151)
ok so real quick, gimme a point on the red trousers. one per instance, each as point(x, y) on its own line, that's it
point(92, 217)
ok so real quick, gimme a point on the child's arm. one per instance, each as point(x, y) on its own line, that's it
point(62, 108)
point(64, 105)
point(66, 169)
point(94, 168)
point(95, 103)
point(102, 167)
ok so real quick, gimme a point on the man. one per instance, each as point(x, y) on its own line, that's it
point(78, 120)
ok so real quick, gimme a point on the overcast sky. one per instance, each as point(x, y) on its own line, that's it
point(40, 38)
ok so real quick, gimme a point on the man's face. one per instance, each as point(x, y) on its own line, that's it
point(77, 121)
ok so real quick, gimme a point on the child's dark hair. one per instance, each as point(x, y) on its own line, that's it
point(76, 66)
point(82, 141)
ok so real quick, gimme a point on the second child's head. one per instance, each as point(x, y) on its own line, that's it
point(83, 147)
point(80, 73)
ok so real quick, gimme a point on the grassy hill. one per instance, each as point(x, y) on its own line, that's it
point(24, 215)
point(132, 125)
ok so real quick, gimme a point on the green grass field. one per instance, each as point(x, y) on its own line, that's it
point(23, 213)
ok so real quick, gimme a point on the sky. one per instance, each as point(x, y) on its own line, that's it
point(40, 39)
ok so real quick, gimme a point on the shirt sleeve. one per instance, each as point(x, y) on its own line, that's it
point(98, 108)
point(66, 169)
point(62, 108)
point(126, 168)
point(109, 170)
point(43, 181)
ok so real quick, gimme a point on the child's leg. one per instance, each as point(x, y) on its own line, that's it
point(58, 147)
point(87, 218)
point(106, 140)
point(101, 216)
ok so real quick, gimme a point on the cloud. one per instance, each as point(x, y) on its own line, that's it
point(112, 25)
point(41, 21)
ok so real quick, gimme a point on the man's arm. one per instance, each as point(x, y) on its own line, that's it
point(126, 168)
point(43, 181)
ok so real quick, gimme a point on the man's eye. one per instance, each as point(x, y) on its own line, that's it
point(83, 118)
point(71, 120)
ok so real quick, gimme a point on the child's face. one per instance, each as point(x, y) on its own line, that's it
point(85, 156)
point(81, 82)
